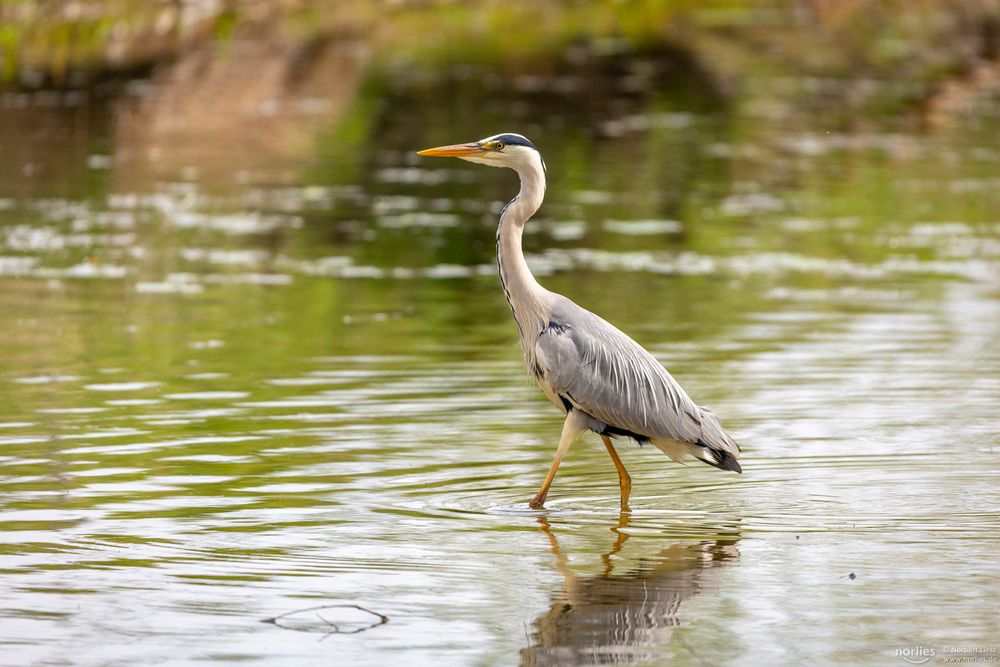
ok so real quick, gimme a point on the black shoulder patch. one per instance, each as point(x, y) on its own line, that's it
point(614, 431)
point(554, 327)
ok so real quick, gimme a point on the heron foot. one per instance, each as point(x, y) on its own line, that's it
point(537, 503)
point(626, 490)
point(625, 484)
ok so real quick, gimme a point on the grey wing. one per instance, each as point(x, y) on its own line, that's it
point(603, 372)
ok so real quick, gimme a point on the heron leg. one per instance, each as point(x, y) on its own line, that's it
point(623, 521)
point(624, 480)
point(574, 425)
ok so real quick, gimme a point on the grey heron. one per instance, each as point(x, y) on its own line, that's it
point(602, 380)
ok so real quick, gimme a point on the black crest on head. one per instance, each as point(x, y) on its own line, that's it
point(514, 140)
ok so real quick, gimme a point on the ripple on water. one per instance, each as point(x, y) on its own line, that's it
point(643, 227)
point(207, 395)
point(47, 379)
point(120, 386)
point(162, 444)
point(21, 439)
point(301, 402)
point(305, 381)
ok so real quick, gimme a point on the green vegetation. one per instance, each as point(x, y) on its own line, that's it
point(911, 41)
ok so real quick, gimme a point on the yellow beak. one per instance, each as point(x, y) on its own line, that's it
point(455, 150)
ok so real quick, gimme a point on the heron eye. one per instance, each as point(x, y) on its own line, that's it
point(499, 145)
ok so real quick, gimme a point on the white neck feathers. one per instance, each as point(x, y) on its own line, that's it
point(528, 300)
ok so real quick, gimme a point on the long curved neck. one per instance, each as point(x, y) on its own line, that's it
point(528, 300)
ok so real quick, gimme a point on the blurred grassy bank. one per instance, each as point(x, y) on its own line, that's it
point(67, 42)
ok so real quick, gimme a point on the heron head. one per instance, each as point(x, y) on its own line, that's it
point(501, 150)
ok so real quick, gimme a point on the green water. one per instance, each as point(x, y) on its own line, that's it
point(262, 365)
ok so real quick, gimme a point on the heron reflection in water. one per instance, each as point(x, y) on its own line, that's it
point(602, 380)
point(617, 618)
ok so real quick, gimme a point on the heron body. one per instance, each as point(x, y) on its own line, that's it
point(602, 380)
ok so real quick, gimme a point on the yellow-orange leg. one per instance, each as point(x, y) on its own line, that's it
point(574, 425)
point(624, 481)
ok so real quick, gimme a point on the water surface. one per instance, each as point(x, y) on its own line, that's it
point(245, 376)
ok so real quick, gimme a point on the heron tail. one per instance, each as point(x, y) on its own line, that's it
point(717, 458)
point(716, 447)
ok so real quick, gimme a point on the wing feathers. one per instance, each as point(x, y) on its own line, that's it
point(615, 380)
